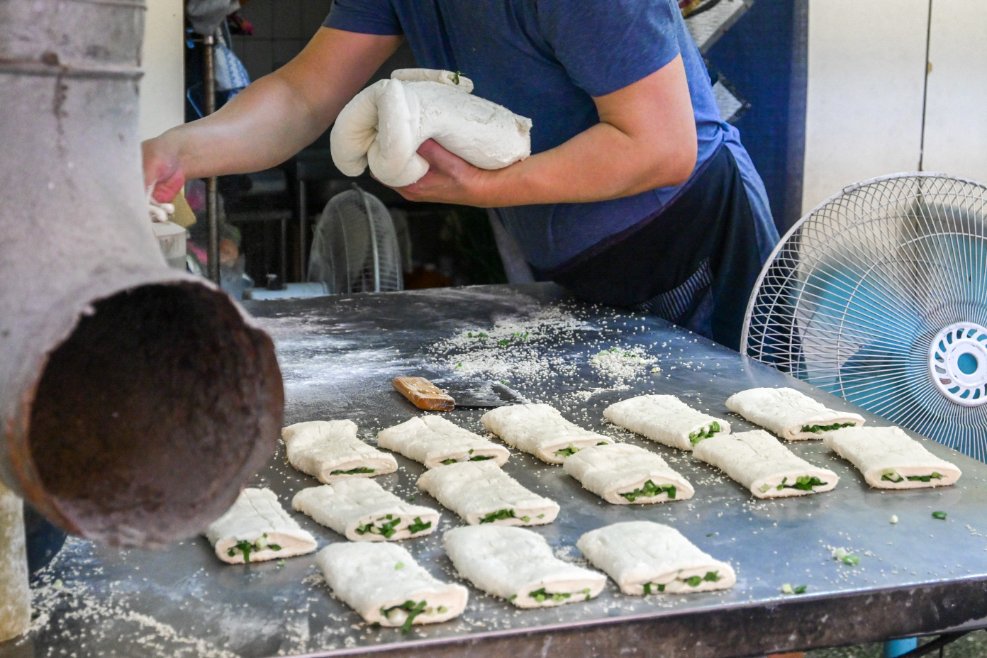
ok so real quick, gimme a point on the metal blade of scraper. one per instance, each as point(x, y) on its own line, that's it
point(482, 395)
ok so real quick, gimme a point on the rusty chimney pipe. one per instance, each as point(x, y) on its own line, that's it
point(135, 399)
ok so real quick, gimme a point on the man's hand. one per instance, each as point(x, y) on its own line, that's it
point(450, 179)
point(163, 172)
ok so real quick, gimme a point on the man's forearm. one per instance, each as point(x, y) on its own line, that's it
point(261, 127)
point(273, 118)
point(600, 163)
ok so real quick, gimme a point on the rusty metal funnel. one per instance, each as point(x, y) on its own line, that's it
point(135, 399)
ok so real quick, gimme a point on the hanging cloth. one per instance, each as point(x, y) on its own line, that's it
point(207, 15)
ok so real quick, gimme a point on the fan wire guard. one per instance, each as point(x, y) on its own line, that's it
point(355, 246)
point(879, 296)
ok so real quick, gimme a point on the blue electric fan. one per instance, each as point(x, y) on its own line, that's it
point(879, 295)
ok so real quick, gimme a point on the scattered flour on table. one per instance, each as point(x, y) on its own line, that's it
point(624, 363)
point(513, 347)
point(87, 619)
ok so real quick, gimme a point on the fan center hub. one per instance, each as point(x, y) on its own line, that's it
point(958, 363)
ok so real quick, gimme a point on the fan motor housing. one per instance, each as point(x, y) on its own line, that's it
point(958, 363)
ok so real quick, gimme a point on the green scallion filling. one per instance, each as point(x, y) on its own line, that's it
point(477, 458)
point(802, 483)
point(815, 429)
point(650, 490)
point(247, 547)
point(499, 515)
point(385, 527)
point(419, 526)
point(353, 471)
point(695, 581)
point(704, 433)
point(540, 595)
point(412, 608)
point(567, 451)
point(893, 476)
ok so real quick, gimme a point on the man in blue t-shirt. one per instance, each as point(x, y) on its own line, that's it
point(636, 193)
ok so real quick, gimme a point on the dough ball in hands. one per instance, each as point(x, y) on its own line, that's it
point(385, 124)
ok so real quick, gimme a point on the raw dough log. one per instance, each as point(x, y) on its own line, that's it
point(330, 450)
point(480, 493)
point(518, 565)
point(890, 459)
point(385, 585)
point(650, 558)
point(362, 510)
point(665, 419)
point(257, 528)
point(623, 474)
point(761, 463)
point(384, 125)
point(434, 441)
point(788, 413)
point(540, 430)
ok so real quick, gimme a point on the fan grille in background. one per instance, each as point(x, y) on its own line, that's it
point(355, 246)
point(879, 295)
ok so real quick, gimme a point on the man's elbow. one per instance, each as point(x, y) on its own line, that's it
point(679, 165)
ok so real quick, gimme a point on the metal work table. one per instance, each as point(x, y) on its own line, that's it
point(917, 576)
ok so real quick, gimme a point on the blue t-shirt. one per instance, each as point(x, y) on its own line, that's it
point(547, 59)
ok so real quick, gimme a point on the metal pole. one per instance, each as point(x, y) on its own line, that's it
point(212, 190)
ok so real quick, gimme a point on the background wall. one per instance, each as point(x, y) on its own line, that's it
point(955, 137)
point(868, 110)
point(162, 88)
point(281, 30)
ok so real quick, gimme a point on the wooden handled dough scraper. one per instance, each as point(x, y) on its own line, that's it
point(425, 395)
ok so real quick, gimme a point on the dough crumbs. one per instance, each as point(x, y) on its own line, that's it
point(622, 363)
point(513, 347)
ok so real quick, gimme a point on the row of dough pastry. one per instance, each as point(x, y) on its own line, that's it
point(626, 474)
point(385, 584)
point(477, 489)
point(886, 456)
point(257, 527)
point(620, 473)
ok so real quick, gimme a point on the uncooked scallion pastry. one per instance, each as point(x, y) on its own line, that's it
point(788, 413)
point(665, 419)
point(480, 493)
point(330, 451)
point(256, 528)
point(518, 565)
point(385, 585)
point(433, 441)
point(622, 474)
point(540, 430)
point(362, 510)
point(650, 558)
point(761, 463)
point(890, 459)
